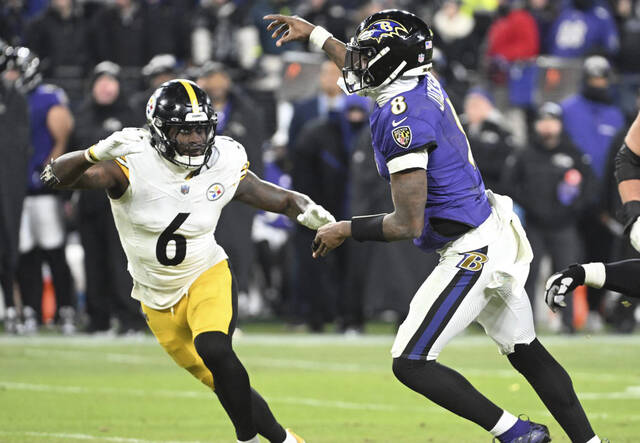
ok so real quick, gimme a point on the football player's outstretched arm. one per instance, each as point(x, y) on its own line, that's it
point(409, 192)
point(269, 197)
point(630, 188)
point(618, 276)
point(627, 171)
point(293, 28)
point(93, 168)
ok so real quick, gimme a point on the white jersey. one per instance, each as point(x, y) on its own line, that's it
point(166, 221)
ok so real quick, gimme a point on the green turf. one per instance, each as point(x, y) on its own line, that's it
point(327, 388)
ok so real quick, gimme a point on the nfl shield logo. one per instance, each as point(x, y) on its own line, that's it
point(420, 58)
point(184, 189)
point(402, 136)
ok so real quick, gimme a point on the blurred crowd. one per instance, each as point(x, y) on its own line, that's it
point(545, 91)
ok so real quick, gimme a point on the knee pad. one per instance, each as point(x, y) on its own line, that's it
point(213, 347)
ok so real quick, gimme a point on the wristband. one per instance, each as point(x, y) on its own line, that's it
point(90, 156)
point(319, 36)
point(594, 275)
point(367, 227)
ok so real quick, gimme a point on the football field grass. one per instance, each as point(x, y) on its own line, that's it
point(328, 388)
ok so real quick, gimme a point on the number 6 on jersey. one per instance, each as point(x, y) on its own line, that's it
point(170, 235)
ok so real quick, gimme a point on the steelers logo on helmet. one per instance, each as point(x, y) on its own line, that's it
point(387, 45)
point(182, 122)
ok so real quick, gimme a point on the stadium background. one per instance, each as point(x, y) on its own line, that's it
point(499, 61)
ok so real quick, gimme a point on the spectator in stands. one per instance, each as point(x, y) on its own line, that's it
point(591, 120)
point(171, 19)
point(329, 98)
point(553, 182)
point(545, 13)
point(58, 36)
point(628, 60)
point(161, 68)
point(271, 234)
point(590, 117)
point(131, 32)
point(321, 156)
point(329, 14)
point(488, 135)
point(109, 284)
point(214, 32)
point(13, 21)
point(583, 27)
point(453, 34)
point(15, 151)
point(42, 230)
point(240, 118)
point(514, 33)
point(512, 37)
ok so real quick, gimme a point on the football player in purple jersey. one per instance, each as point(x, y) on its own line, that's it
point(441, 203)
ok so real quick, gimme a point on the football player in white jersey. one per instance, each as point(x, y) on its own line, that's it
point(167, 185)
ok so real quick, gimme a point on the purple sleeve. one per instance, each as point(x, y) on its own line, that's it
point(399, 135)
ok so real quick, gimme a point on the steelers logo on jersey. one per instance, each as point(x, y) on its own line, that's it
point(215, 191)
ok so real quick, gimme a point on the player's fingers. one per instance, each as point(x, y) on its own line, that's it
point(320, 251)
point(284, 27)
point(275, 17)
point(272, 25)
point(285, 38)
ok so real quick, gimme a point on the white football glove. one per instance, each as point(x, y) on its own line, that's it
point(127, 141)
point(634, 235)
point(561, 283)
point(315, 216)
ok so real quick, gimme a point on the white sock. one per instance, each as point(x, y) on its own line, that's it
point(251, 440)
point(504, 424)
point(290, 438)
point(595, 439)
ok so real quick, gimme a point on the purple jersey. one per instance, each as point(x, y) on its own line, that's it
point(577, 33)
point(41, 100)
point(424, 118)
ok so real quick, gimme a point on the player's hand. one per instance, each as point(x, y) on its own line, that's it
point(288, 28)
point(127, 141)
point(329, 237)
point(634, 235)
point(315, 216)
point(561, 283)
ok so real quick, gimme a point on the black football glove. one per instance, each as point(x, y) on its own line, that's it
point(561, 283)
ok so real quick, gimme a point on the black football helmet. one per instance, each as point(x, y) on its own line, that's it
point(181, 103)
point(26, 63)
point(387, 45)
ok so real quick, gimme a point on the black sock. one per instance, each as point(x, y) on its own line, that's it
point(447, 388)
point(230, 379)
point(554, 387)
point(264, 420)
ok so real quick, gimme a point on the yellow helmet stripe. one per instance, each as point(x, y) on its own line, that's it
point(195, 107)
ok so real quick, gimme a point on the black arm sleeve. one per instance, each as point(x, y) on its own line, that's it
point(627, 164)
point(623, 277)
